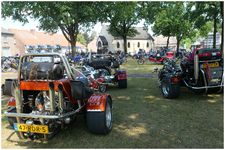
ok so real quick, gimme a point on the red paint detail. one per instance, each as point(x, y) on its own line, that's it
point(95, 85)
point(121, 74)
point(204, 54)
point(92, 102)
point(12, 102)
point(101, 80)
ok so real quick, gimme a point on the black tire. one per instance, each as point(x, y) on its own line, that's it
point(12, 120)
point(122, 83)
point(140, 61)
point(101, 122)
point(164, 60)
point(169, 90)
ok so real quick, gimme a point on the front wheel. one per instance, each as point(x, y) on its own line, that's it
point(140, 61)
point(101, 122)
point(169, 90)
point(103, 87)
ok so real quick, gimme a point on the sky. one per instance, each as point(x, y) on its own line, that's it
point(9, 23)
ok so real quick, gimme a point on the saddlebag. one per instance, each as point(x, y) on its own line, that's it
point(33, 70)
point(80, 89)
point(209, 54)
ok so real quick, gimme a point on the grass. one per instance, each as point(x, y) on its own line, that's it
point(142, 118)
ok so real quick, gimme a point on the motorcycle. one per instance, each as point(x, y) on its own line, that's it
point(157, 58)
point(8, 64)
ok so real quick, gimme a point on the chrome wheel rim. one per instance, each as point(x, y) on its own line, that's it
point(108, 116)
point(165, 88)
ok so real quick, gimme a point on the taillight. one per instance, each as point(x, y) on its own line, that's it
point(218, 53)
point(205, 55)
point(177, 79)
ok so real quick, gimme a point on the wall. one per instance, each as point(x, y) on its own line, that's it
point(93, 45)
point(19, 46)
point(10, 44)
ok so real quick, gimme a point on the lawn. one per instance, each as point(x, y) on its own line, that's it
point(142, 118)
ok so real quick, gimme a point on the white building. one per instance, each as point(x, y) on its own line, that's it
point(107, 42)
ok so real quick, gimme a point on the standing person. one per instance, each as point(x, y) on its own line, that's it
point(151, 53)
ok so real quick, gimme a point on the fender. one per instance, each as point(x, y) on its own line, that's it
point(152, 59)
point(143, 59)
point(97, 102)
point(121, 74)
point(173, 79)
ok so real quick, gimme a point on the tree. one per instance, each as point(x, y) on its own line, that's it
point(80, 39)
point(122, 16)
point(93, 35)
point(207, 11)
point(69, 16)
point(87, 38)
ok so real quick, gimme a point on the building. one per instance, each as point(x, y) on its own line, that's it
point(22, 38)
point(7, 43)
point(106, 42)
point(207, 42)
point(161, 41)
point(92, 45)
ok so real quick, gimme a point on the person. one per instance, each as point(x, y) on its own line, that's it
point(151, 53)
point(158, 54)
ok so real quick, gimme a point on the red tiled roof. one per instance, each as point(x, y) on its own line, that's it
point(42, 38)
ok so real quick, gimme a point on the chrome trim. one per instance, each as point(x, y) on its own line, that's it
point(60, 90)
point(43, 116)
point(52, 97)
point(196, 67)
point(94, 110)
point(203, 73)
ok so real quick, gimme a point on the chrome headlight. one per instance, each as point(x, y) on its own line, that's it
point(48, 48)
point(29, 48)
point(57, 48)
point(38, 48)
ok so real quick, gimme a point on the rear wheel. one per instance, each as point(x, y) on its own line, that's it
point(122, 83)
point(101, 122)
point(169, 90)
point(140, 61)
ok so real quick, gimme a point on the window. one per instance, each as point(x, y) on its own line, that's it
point(99, 44)
point(14, 41)
point(147, 44)
point(5, 38)
point(6, 51)
point(138, 44)
point(118, 45)
point(128, 45)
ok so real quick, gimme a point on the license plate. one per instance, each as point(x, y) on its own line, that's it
point(31, 128)
point(210, 64)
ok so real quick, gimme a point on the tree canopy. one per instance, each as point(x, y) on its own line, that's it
point(70, 16)
point(122, 17)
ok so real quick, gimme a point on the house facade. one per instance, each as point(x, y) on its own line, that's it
point(106, 42)
point(92, 45)
point(21, 38)
point(161, 41)
point(7, 43)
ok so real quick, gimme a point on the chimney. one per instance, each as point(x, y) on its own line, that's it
point(32, 31)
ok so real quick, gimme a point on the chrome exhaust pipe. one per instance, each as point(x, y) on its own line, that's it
point(196, 67)
point(60, 90)
point(52, 97)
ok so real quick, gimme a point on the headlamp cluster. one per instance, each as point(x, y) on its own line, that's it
point(47, 48)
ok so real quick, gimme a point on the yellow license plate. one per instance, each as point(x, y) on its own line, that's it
point(210, 64)
point(31, 128)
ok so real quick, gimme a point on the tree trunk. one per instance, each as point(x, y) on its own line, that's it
point(221, 7)
point(214, 32)
point(125, 44)
point(168, 39)
point(178, 44)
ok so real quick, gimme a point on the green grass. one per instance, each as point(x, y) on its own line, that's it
point(142, 118)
